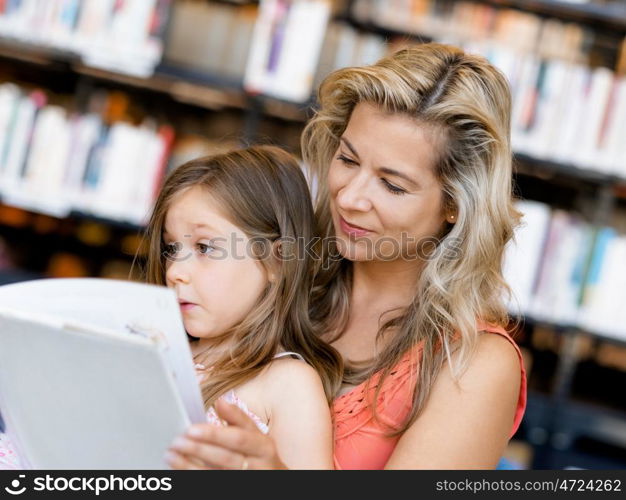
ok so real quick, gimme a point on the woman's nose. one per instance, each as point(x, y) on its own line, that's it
point(354, 196)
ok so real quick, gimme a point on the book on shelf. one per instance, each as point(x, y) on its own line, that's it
point(94, 373)
point(523, 255)
point(221, 42)
point(604, 301)
point(565, 271)
point(285, 48)
point(564, 109)
point(53, 161)
point(125, 37)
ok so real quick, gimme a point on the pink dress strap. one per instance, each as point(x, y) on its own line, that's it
point(521, 399)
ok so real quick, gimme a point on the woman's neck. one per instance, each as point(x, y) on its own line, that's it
point(385, 283)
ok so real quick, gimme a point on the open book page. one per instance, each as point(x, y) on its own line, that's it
point(73, 399)
point(114, 307)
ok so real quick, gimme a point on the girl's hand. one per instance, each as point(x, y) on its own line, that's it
point(240, 445)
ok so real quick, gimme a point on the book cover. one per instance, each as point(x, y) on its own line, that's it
point(94, 373)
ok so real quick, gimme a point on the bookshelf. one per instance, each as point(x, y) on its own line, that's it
point(603, 15)
point(199, 99)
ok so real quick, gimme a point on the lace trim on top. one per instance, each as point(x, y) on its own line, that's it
point(8, 458)
point(351, 410)
point(232, 398)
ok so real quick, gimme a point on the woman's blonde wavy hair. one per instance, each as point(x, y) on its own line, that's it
point(467, 102)
point(265, 194)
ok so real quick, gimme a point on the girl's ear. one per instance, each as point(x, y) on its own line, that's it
point(274, 261)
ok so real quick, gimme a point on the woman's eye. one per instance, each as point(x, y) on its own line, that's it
point(346, 160)
point(392, 188)
point(205, 249)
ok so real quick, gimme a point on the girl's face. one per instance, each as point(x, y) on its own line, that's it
point(209, 265)
point(385, 199)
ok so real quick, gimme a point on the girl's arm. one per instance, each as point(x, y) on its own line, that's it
point(465, 425)
point(300, 423)
point(300, 428)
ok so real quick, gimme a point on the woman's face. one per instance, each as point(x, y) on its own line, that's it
point(209, 265)
point(385, 200)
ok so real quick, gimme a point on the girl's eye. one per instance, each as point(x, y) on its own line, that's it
point(205, 249)
point(171, 249)
point(346, 160)
point(392, 188)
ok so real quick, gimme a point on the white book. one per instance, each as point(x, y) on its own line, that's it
point(118, 173)
point(558, 288)
point(85, 131)
point(16, 155)
point(549, 109)
point(523, 101)
point(45, 170)
point(285, 48)
point(616, 132)
point(523, 254)
point(604, 301)
point(572, 119)
point(9, 100)
point(146, 177)
point(371, 48)
point(94, 373)
point(595, 109)
point(346, 47)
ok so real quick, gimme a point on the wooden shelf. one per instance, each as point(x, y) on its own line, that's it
point(610, 15)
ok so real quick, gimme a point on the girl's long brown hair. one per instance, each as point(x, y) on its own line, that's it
point(264, 193)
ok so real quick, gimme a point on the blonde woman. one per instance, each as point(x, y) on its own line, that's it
point(412, 159)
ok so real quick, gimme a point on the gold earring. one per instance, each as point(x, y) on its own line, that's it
point(452, 217)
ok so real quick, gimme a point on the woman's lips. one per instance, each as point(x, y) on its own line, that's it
point(351, 230)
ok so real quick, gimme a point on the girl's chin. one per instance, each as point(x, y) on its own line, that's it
point(201, 335)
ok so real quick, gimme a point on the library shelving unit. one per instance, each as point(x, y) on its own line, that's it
point(563, 428)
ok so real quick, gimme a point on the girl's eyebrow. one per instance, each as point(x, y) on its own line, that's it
point(204, 225)
point(198, 225)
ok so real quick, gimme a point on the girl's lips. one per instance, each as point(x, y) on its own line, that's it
point(352, 230)
point(186, 306)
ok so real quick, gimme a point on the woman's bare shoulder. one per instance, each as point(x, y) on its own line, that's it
point(473, 413)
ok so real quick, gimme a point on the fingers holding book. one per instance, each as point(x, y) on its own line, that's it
point(239, 445)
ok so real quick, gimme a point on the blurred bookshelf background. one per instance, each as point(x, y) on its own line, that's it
point(99, 99)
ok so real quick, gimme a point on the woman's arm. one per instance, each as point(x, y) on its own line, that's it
point(300, 429)
point(465, 425)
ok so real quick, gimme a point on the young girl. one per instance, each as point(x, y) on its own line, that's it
point(229, 234)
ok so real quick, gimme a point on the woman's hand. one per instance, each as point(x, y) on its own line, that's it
point(240, 445)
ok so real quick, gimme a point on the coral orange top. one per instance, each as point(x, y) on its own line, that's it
point(361, 441)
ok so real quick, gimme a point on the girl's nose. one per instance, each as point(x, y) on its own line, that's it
point(177, 269)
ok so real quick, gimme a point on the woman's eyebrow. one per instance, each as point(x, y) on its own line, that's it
point(349, 145)
point(391, 171)
point(384, 170)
